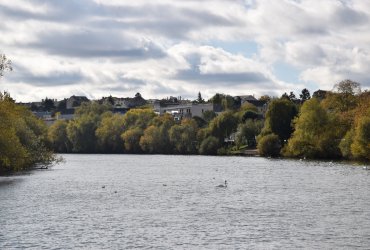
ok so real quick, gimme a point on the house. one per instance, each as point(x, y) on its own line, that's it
point(181, 110)
point(75, 101)
point(320, 94)
point(67, 114)
point(42, 114)
point(245, 98)
point(260, 105)
point(124, 103)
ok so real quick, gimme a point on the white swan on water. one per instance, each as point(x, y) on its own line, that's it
point(222, 186)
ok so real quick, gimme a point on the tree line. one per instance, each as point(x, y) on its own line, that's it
point(96, 129)
point(331, 125)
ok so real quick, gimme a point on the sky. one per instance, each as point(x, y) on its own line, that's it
point(164, 48)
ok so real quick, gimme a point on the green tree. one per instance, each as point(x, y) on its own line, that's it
point(279, 116)
point(110, 100)
point(250, 115)
point(305, 95)
point(217, 99)
point(62, 105)
point(360, 147)
point(209, 115)
point(247, 132)
point(209, 146)
point(265, 98)
point(245, 110)
point(57, 135)
point(200, 99)
point(151, 142)
point(23, 137)
point(269, 145)
point(285, 96)
point(48, 104)
point(81, 133)
point(230, 103)
point(343, 98)
point(292, 96)
point(109, 132)
point(13, 156)
point(346, 142)
point(315, 135)
point(92, 108)
point(131, 138)
point(183, 136)
point(223, 125)
point(156, 137)
point(348, 87)
point(138, 118)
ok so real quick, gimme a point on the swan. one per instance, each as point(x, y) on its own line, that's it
point(222, 186)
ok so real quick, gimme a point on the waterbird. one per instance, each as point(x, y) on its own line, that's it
point(103, 186)
point(222, 186)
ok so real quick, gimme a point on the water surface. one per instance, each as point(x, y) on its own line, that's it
point(171, 202)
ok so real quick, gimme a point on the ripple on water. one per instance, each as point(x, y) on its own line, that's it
point(167, 202)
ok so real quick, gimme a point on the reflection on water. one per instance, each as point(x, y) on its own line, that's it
point(164, 202)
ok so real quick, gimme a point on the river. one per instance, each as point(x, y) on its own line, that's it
point(172, 202)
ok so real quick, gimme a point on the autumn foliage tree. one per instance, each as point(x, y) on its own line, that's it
point(23, 137)
point(315, 134)
point(278, 121)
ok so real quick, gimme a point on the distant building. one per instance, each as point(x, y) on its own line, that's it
point(121, 111)
point(260, 105)
point(67, 115)
point(182, 110)
point(75, 101)
point(245, 98)
point(320, 94)
point(125, 103)
point(34, 106)
point(42, 114)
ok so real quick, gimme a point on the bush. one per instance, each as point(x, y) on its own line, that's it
point(269, 145)
point(209, 146)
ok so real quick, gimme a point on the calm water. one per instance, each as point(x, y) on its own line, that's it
point(171, 202)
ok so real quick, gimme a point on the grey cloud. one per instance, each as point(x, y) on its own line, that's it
point(132, 81)
point(96, 44)
point(312, 30)
point(18, 14)
point(221, 79)
point(59, 11)
point(54, 15)
point(194, 75)
point(349, 17)
point(55, 78)
point(167, 20)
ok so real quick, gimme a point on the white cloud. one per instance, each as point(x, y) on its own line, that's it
point(164, 47)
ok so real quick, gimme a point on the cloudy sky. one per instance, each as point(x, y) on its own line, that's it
point(179, 47)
